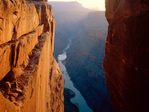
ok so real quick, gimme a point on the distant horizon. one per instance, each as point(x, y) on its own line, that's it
point(87, 4)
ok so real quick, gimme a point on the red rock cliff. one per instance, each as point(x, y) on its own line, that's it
point(127, 54)
point(30, 78)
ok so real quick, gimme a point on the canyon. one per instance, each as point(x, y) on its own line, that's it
point(30, 78)
point(126, 60)
point(80, 43)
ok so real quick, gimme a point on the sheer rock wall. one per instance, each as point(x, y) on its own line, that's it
point(30, 78)
point(127, 54)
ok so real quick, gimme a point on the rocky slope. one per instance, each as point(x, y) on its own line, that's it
point(127, 51)
point(30, 78)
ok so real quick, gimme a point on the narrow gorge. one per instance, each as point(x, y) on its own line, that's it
point(77, 98)
point(31, 80)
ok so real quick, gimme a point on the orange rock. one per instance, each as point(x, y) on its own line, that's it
point(26, 51)
point(6, 105)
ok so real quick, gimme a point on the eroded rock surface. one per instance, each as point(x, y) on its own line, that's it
point(30, 78)
point(127, 54)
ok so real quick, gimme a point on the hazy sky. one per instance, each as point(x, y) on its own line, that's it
point(92, 4)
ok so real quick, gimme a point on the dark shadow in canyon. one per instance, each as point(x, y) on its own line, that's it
point(86, 31)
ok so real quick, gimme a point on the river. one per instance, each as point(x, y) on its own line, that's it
point(78, 99)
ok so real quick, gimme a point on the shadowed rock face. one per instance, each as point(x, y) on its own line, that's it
point(127, 50)
point(30, 78)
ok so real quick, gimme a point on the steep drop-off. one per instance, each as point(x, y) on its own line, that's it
point(127, 54)
point(85, 60)
point(30, 78)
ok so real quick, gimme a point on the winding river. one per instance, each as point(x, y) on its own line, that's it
point(78, 99)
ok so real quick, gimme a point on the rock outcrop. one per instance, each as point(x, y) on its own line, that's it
point(30, 78)
point(127, 54)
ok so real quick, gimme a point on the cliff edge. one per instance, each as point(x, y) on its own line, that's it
point(127, 54)
point(30, 78)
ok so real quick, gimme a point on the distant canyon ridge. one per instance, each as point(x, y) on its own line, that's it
point(83, 33)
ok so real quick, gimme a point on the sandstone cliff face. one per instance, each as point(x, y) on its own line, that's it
point(127, 54)
point(30, 78)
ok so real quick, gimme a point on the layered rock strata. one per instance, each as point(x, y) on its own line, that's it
point(30, 78)
point(127, 54)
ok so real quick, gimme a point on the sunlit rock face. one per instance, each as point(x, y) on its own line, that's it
point(30, 78)
point(127, 54)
